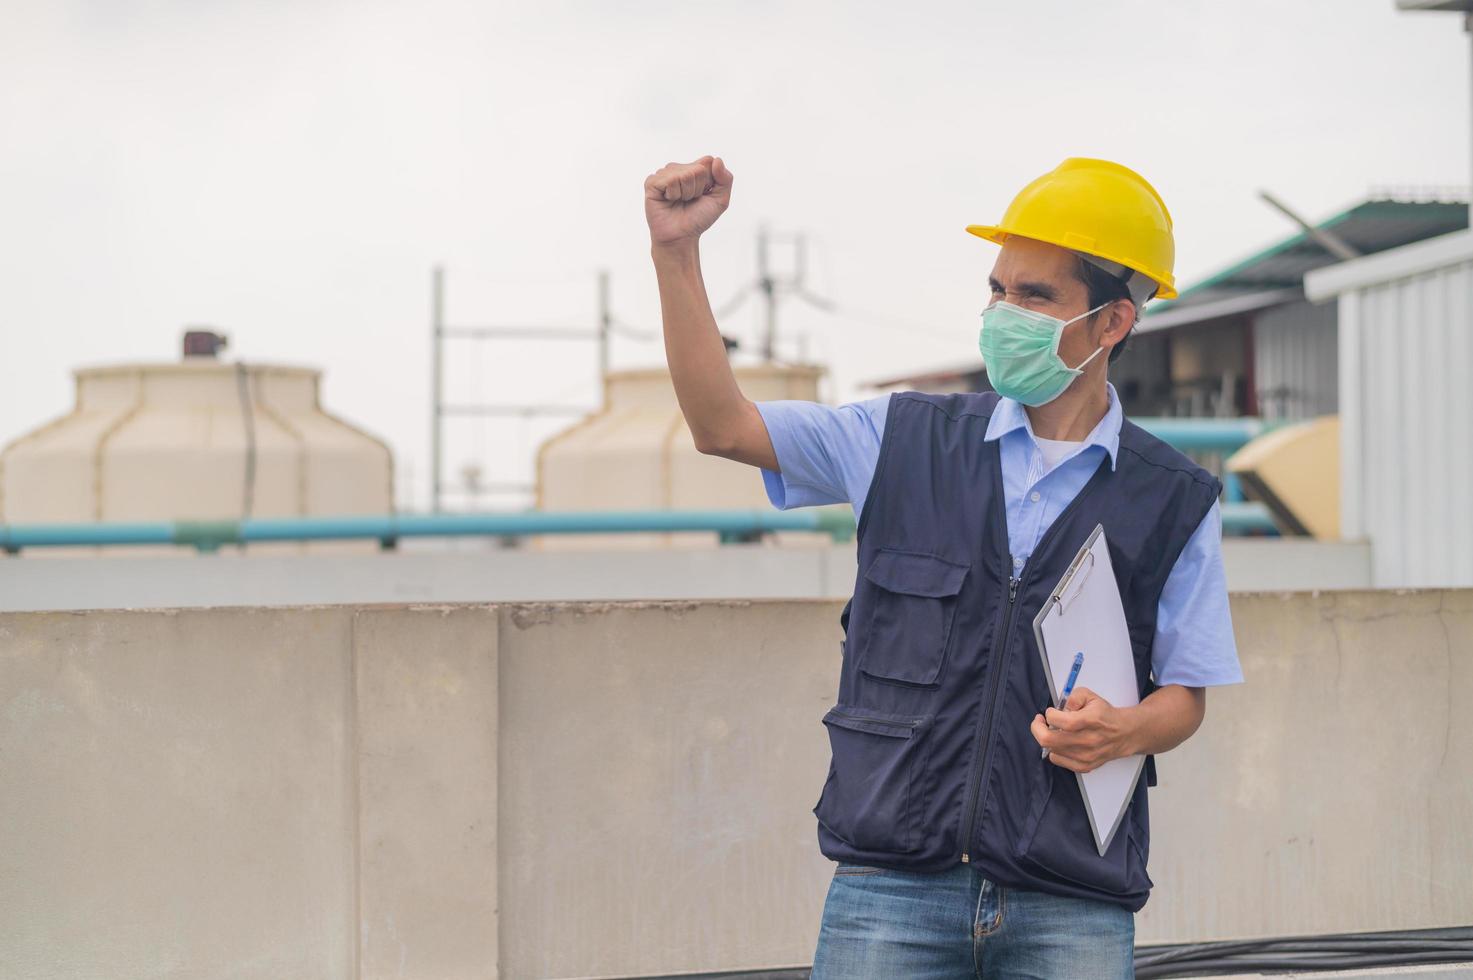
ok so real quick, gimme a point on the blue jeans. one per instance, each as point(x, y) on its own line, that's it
point(880, 924)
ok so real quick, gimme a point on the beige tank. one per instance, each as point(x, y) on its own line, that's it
point(1295, 471)
point(196, 440)
point(637, 454)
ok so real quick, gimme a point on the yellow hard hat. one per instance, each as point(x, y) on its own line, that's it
point(1097, 208)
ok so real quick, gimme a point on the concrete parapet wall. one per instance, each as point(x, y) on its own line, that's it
point(1333, 792)
point(624, 789)
point(37, 582)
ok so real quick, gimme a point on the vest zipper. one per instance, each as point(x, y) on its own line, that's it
point(994, 682)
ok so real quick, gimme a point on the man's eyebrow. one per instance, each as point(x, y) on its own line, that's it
point(1042, 290)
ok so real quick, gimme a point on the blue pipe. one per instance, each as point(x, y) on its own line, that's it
point(1204, 435)
point(838, 523)
point(1245, 517)
point(16, 536)
point(1223, 436)
point(731, 525)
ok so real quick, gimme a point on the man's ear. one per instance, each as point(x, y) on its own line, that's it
point(1119, 318)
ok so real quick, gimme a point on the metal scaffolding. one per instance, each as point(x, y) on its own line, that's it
point(440, 410)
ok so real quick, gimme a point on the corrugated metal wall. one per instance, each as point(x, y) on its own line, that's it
point(1295, 353)
point(1412, 435)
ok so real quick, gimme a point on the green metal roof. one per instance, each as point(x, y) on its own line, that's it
point(1371, 226)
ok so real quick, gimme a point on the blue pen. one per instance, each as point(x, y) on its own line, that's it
point(1073, 676)
point(1069, 685)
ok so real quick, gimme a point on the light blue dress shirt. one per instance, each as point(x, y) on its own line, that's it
point(827, 455)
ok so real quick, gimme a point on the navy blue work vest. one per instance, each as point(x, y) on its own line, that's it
point(933, 762)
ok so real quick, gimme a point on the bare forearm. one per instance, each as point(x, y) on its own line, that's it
point(1165, 719)
point(704, 384)
point(722, 420)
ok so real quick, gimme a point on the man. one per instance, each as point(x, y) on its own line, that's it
point(960, 851)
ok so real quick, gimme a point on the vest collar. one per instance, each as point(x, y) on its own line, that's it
point(1010, 416)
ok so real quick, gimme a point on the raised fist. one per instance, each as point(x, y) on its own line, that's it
point(681, 200)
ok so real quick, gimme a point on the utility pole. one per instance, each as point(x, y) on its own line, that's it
point(770, 285)
point(437, 341)
point(767, 286)
point(605, 328)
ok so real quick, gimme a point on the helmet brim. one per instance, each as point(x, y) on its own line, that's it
point(998, 235)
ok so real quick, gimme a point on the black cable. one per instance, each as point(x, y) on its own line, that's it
point(1308, 953)
point(1303, 954)
point(624, 329)
point(909, 329)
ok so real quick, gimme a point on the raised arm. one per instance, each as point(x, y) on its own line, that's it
point(682, 200)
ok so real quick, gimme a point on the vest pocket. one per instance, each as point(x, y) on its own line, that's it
point(912, 600)
point(868, 800)
point(1057, 841)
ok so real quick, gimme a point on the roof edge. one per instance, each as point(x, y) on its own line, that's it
point(1396, 263)
point(1283, 245)
point(1248, 301)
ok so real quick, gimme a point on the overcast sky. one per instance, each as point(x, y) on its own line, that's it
point(289, 170)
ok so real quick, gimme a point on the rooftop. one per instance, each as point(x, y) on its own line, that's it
point(1275, 274)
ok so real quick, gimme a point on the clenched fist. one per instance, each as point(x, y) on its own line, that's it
point(681, 200)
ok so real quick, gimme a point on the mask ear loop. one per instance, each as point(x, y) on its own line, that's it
point(1081, 317)
point(1089, 312)
point(1089, 358)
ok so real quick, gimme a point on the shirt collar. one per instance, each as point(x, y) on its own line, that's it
point(1009, 416)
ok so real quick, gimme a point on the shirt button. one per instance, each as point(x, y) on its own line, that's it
point(1033, 496)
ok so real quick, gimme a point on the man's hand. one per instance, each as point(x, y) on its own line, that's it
point(681, 200)
point(1090, 733)
point(1093, 731)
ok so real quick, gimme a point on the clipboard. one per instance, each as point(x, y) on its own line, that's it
point(1084, 612)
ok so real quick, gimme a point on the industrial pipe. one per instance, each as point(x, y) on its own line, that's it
point(1247, 517)
point(1204, 435)
point(1224, 436)
point(731, 525)
point(838, 523)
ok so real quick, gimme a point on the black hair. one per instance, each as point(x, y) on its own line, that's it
point(1102, 287)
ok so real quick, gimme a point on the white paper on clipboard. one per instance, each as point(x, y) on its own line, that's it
point(1084, 613)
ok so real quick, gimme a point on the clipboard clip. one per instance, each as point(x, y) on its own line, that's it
point(1073, 583)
